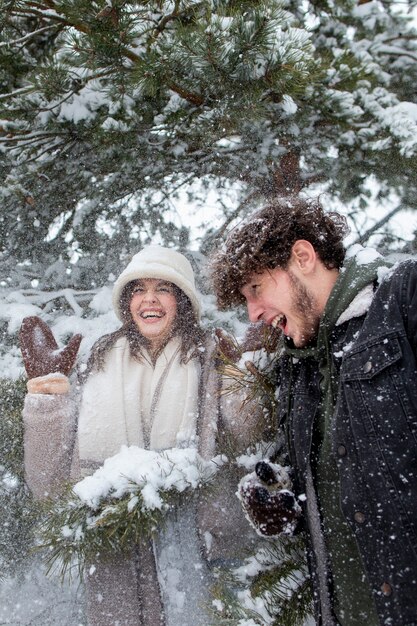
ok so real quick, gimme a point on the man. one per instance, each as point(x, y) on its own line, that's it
point(347, 403)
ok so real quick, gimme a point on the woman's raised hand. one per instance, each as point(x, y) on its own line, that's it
point(40, 352)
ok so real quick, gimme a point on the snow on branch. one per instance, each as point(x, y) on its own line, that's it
point(48, 299)
point(121, 503)
point(27, 37)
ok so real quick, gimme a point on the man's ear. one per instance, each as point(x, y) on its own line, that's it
point(303, 256)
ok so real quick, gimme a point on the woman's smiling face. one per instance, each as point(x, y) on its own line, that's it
point(153, 307)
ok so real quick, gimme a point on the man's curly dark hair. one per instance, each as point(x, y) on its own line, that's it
point(265, 240)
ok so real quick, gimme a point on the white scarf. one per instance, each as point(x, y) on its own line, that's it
point(136, 403)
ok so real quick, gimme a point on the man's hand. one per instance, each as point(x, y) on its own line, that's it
point(40, 352)
point(268, 501)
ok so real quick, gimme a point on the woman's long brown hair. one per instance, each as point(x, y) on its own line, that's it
point(186, 327)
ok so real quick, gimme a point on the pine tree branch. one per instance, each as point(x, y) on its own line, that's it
point(82, 84)
point(368, 233)
point(279, 589)
point(397, 53)
point(41, 5)
point(166, 196)
point(115, 519)
point(46, 151)
point(41, 14)
point(193, 98)
point(174, 15)
point(17, 92)
point(27, 37)
point(212, 241)
point(168, 18)
point(77, 25)
point(401, 37)
point(30, 136)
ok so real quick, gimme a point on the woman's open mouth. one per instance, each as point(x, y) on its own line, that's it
point(151, 315)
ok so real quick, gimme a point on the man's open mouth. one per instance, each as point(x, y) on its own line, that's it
point(280, 321)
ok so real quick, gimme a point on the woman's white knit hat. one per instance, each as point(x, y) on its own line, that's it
point(162, 263)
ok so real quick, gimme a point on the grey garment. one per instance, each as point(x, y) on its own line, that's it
point(130, 582)
point(320, 551)
point(122, 590)
point(183, 574)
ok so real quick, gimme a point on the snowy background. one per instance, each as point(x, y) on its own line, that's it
point(104, 149)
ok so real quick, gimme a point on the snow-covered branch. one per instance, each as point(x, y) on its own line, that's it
point(27, 37)
point(395, 51)
point(378, 225)
point(17, 92)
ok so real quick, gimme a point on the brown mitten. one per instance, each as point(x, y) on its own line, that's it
point(268, 502)
point(227, 346)
point(40, 352)
point(257, 336)
point(260, 336)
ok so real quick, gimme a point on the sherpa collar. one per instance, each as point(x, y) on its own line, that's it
point(350, 297)
point(354, 277)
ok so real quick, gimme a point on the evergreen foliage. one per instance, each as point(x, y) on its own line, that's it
point(75, 527)
point(71, 533)
point(257, 377)
point(18, 512)
point(272, 587)
point(108, 109)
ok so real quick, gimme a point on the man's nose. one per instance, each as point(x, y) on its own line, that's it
point(254, 311)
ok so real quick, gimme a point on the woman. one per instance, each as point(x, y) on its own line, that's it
point(152, 384)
